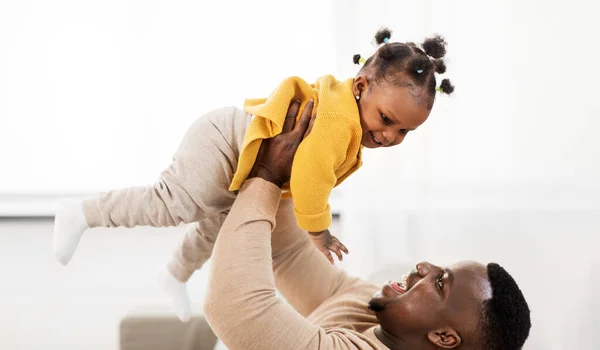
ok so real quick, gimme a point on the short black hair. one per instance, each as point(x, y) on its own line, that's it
point(405, 64)
point(506, 319)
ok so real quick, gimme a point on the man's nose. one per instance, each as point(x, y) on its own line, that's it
point(424, 268)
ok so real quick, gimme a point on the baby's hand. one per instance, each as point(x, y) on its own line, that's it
point(327, 243)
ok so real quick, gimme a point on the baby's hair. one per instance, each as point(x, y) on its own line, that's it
point(410, 65)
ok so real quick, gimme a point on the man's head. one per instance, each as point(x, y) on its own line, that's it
point(465, 306)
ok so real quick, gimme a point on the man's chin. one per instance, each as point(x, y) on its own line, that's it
point(376, 305)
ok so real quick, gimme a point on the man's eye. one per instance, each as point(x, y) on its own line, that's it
point(440, 282)
point(385, 119)
point(404, 131)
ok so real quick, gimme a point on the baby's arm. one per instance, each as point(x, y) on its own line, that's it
point(313, 178)
point(326, 243)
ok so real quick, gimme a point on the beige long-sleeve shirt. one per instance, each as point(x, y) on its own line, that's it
point(257, 250)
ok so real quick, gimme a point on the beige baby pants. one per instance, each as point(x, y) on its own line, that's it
point(194, 189)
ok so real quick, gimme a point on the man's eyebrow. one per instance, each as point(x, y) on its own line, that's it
point(450, 275)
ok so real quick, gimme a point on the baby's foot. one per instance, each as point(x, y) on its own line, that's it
point(69, 225)
point(177, 291)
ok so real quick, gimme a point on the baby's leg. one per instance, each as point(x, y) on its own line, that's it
point(194, 187)
point(191, 254)
point(196, 247)
point(213, 144)
point(166, 203)
point(211, 150)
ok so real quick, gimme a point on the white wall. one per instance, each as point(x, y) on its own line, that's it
point(506, 169)
point(523, 112)
point(97, 95)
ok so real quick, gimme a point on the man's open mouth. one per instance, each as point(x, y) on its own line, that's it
point(401, 287)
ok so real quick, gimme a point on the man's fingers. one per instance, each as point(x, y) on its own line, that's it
point(310, 124)
point(304, 121)
point(290, 117)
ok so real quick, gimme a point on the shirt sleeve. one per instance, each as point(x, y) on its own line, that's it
point(241, 305)
point(303, 276)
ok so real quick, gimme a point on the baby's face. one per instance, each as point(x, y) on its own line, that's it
point(387, 114)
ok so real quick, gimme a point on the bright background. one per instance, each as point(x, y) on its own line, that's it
point(97, 94)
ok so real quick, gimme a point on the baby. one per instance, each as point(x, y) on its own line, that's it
point(392, 95)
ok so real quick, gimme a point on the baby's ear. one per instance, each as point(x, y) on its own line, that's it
point(445, 338)
point(361, 83)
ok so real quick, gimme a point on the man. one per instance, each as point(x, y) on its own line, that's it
point(465, 306)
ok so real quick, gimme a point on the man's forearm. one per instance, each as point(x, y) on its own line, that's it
point(302, 274)
point(241, 305)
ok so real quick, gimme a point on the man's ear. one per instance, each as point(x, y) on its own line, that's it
point(446, 338)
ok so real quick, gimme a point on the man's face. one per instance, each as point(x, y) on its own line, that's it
point(434, 302)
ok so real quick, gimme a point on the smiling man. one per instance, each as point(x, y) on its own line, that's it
point(468, 304)
point(465, 306)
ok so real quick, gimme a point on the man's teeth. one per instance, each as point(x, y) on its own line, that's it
point(404, 282)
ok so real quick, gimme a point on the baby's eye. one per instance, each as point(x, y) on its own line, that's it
point(385, 119)
point(404, 131)
point(440, 282)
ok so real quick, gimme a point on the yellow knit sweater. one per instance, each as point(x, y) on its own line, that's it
point(328, 155)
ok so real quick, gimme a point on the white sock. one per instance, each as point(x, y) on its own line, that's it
point(69, 225)
point(177, 291)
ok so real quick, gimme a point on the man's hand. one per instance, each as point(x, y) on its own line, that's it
point(275, 156)
point(274, 164)
point(326, 243)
